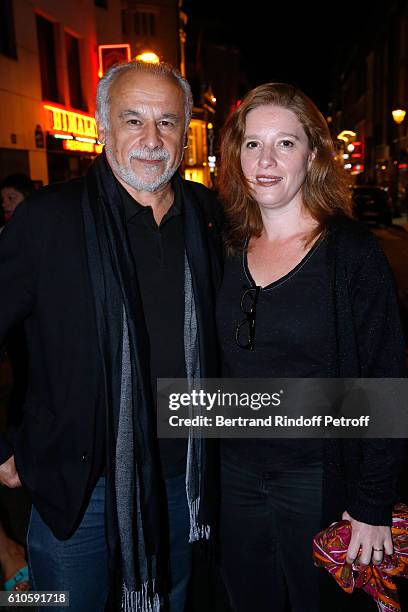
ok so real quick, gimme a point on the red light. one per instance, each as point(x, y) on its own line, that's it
point(356, 155)
point(402, 166)
point(112, 54)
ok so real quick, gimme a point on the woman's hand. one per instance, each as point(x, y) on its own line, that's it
point(374, 540)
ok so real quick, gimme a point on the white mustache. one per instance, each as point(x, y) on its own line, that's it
point(149, 155)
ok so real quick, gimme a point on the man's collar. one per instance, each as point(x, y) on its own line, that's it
point(133, 207)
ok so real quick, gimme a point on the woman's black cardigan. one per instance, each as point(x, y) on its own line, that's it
point(361, 475)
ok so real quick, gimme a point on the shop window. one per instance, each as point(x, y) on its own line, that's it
point(66, 167)
point(74, 72)
point(7, 31)
point(48, 66)
point(190, 156)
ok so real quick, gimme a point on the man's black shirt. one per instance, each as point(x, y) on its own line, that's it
point(158, 253)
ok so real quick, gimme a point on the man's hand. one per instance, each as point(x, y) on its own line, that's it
point(374, 540)
point(8, 474)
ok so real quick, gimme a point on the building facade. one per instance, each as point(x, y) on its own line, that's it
point(372, 83)
point(51, 57)
point(48, 77)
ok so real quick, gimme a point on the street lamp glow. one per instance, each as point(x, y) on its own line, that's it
point(398, 115)
point(149, 57)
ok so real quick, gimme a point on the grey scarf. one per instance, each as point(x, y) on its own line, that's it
point(147, 599)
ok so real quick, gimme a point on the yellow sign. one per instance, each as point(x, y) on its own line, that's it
point(63, 121)
point(84, 147)
point(345, 135)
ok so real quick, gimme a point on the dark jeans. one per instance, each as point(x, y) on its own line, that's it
point(180, 550)
point(268, 521)
point(79, 565)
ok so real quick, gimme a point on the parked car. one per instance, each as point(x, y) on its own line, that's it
point(372, 204)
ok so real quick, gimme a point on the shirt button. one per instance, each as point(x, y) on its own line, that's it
point(85, 457)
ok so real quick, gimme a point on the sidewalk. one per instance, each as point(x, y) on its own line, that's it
point(401, 222)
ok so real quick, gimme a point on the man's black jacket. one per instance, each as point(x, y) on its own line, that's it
point(44, 280)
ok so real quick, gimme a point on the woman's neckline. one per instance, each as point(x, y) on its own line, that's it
point(283, 279)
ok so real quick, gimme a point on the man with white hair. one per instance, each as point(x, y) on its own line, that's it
point(114, 275)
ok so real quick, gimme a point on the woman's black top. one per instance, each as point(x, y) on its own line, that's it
point(291, 335)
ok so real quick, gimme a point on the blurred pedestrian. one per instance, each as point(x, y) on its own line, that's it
point(13, 564)
point(13, 190)
point(307, 292)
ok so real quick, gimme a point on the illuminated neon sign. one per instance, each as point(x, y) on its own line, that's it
point(358, 150)
point(346, 135)
point(109, 55)
point(83, 147)
point(63, 121)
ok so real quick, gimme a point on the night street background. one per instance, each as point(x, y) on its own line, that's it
point(351, 59)
point(296, 42)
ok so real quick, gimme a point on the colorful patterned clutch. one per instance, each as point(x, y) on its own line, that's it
point(330, 548)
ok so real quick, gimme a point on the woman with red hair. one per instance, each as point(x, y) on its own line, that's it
point(307, 293)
